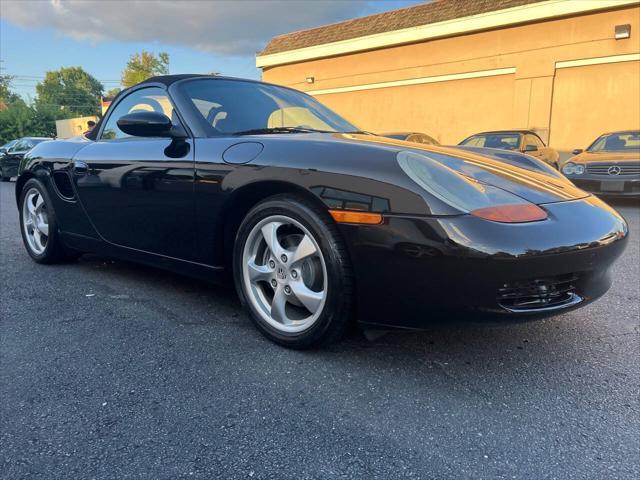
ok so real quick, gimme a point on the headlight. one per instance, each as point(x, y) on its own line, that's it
point(578, 169)
point(457, 190)
point(569, 168)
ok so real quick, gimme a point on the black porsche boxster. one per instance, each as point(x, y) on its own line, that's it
point(316, 222)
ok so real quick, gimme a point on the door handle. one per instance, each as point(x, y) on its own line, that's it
point(80, 168)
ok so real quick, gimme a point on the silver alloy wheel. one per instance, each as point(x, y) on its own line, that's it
point(35, 221)
point(284, 274)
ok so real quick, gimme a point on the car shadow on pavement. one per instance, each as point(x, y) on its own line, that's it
point(442, 347)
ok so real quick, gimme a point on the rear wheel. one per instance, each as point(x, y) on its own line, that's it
point(292, 273)
point(39, 225)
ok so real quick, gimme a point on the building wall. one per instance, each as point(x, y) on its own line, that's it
point(579, 113)
point(72, 127)
point(522, 87)
point(444, 110)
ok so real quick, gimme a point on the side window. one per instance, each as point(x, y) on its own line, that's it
point(539, 142)
point(531, 140)
point(19, 146)
point(152, 99)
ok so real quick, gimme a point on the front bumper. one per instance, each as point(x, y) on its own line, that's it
point(609, 185)
point(412, 272)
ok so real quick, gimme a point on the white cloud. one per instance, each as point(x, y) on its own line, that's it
point(223, 26)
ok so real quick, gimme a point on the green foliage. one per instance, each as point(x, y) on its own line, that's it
point(15, 121)
point(112, 92)
point(69, 89)
point(6, 95)
point(144, 65)
point(65, 93)
point(22, 120)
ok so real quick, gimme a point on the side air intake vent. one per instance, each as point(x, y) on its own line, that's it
point(63, 184)
point(540, 294)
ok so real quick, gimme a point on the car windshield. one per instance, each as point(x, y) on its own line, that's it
point(617, 142)
point(233, 107)
point(504, 141)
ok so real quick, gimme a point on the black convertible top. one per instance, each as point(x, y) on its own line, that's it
point(170, 79)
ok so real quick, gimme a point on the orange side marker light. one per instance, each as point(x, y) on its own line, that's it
point(366, 218)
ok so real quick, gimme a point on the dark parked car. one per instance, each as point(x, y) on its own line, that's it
point(4, 148)
point(609, 166)
point(3, 151)
point(10, 160)
point(412, 137)
point(316, 222)
point(524, 141)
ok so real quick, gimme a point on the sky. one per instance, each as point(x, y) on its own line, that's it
point(200, 36)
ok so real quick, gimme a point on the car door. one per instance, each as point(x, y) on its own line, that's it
point(138, 192)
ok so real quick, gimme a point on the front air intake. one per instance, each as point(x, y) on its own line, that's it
point(63, 184)
point(539, 294)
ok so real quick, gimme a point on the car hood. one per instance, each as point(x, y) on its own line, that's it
point(617, 157)
point(525, 181)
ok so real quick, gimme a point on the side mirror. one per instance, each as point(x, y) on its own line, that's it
point(146, 124)
point(577, 151)
point(531, 148)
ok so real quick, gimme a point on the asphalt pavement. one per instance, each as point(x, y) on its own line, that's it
point(111, 370)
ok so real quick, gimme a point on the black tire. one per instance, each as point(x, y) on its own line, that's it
point(2, 177)
point(335, 316)
point(55, 251)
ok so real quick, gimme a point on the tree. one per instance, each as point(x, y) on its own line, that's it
point(22, 120)
point(6, 95)
point(44, 119)
point(70, 89)
point(144, 65)
point(15, 121)
point(111, 93)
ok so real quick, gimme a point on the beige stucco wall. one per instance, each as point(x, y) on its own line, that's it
point(444, 109)
point(537, 96)
point(579, 113)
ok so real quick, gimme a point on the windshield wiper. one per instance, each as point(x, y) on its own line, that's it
point(266, 131)
point(361, 132)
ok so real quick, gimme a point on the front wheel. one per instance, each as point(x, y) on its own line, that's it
point(292, 272)
point(39, 225)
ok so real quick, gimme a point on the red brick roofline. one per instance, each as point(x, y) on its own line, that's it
point(437, 19)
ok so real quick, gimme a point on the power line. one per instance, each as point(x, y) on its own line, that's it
point(42, 77)
point(54, 104)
